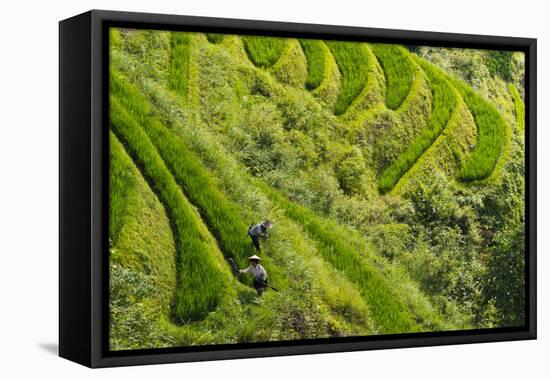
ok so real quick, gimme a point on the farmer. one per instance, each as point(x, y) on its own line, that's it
point(259, 230)
point(259, 273)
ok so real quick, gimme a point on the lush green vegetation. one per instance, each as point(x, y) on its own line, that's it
point(507, 276)
point(444, 102)
point(142, 260)
point(391, 315)
point(352, 60)
point(179, 61)
point(200, 283)
point(263, 51)
point(121, 180)
point(315, 62)
point(250, 144)
point(500, 63)
point(399, 70)
point(215, 38)
point(219, 213)
point(519, 107)
point(491, 135)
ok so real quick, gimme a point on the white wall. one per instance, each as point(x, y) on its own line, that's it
point(29, 189)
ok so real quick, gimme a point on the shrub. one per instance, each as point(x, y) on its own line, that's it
point(352, 61)
point(215, 38)
point(178, 70)
point(349, 170)
point(263, 51)
point(500, 63)
point(130, 325)
point(313, 49)
point(399, 70)
point(444, 102)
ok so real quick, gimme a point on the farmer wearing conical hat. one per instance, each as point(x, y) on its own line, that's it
point(259, 230)
point(259, 273)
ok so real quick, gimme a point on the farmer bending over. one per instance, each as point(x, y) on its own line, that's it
point(259, 230)
point(259, 273)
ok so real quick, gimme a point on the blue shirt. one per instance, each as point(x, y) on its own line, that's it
point(257, 230)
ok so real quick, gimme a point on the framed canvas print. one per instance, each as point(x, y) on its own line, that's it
point(233, 188)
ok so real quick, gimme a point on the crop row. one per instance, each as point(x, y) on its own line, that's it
point(200, 282)
point(313, 49)
point(388, 312)
point(120, 182)
point(178, 70)
point(352, 61)
point(491, 135)
point(263, 51)
point(444, 102)
point(399, 70)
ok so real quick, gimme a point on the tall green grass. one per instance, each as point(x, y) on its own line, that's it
point(178, 70)
point(120, 181)
point(221, 215)
point(263, 51)
point(399, 71)
point(491, 135)
point(444, 102)
point(391, 315)
point(352, 61)
point(313, 49)
point(200, 281)
point(519, 107)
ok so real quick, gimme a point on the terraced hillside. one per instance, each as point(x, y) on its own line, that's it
point(391, 182)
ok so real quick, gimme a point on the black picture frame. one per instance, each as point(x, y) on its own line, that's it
point(83, 195)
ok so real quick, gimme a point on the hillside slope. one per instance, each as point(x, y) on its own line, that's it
point(373, 179)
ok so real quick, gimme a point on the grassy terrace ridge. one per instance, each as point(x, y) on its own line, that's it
point(313, 49)
point(328, 90)
point(352, 61)
point(519, 107)
point(372, 97)
point(444, 102)
point(201, 283)
point(263, 51)
point(120, 182)
point(399, 70)
point(291, 67)
point(142, 261)
point(492, 135)
point(388, 312)
point(178, 71)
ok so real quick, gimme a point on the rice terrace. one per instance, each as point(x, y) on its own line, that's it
point(393, 177)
